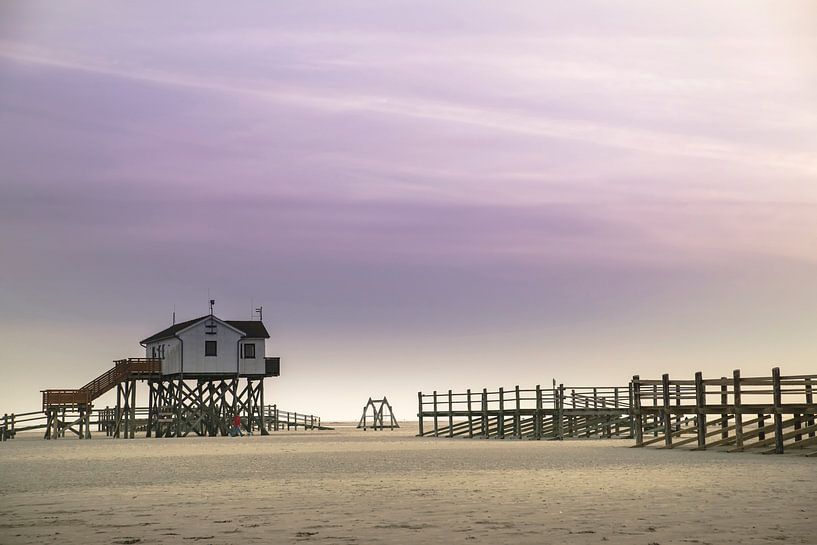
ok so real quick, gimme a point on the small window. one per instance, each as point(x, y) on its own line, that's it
point(162, 352)
point(210, 348)
point(249, 351)
point(153, 352)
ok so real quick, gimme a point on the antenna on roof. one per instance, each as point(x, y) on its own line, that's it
point(174, 314)
point(212, 304)
point(260, 312)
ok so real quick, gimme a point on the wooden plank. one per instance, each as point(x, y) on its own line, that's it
point(667, 423)
point(700, 402)
point(778, 418)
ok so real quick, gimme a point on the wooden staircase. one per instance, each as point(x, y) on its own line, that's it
point(123, 370)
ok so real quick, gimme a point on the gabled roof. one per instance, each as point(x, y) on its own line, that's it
point(252, 329)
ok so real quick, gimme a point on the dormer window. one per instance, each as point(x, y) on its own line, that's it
point(249, 351)
point(210, 348)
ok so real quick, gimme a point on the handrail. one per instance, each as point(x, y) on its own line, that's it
point(121, 371)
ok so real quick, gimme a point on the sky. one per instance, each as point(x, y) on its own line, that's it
point(422, 195)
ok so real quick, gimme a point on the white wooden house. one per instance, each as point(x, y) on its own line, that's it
point(209, 347)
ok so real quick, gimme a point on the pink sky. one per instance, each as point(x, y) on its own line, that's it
point(421, 195)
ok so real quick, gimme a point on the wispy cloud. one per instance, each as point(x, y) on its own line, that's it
point(493, 119)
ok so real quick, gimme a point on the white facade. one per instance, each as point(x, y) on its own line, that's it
point(186, 350)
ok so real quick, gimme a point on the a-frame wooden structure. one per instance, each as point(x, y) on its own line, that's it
point(380, 412)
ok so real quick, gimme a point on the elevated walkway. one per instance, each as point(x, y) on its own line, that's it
point(122, 371)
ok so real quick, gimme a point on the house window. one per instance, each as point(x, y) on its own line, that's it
point(162, 352)
point(210, 348)
point(153, 352)
point(249, 351)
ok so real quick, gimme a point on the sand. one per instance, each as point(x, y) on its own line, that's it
point(349, 486)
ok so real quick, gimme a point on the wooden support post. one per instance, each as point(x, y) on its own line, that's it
point(630, 410)
point(537, 426)
point(118, 412)
point(470, 414)
point(678, 407)
point(618, 418)
point(810, 403)
point(738, 410)
point(436, 417)
point(700, 406)
point(635, 408)
point(560, 407)
point(517, 417)
point(778, 416)
point(450, 414)
point(725, 413)
point(5, 427)
point(501, 422)
point(486, 430)
point(655, 413)
point(420, 413)
point(667, 420)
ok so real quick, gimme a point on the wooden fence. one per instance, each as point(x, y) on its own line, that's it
point(105, 420)
point(772, 414)
point(552, 413)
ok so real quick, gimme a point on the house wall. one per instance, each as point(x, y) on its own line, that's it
point(172, 360)
point(254, 366)
point(195, 362)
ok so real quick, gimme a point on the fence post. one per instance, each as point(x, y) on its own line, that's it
point(5, 427)
point(655, 413)
point(537, 427)
point(436, 416)
point(725, 413)
point(810, 403)
point(778, 417)
point(667, 420)
point(450, 414)
point(518, 416)
point(470, 414)
point(560, 413)
point(420, 412)
point(700, 402)
point(678, 407)
point(501, 422)
point(738, 413)
point(485, 427)
point(635, 407)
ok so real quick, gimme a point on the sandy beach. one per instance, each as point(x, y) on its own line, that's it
point(348, 486)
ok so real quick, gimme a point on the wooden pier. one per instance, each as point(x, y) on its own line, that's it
point(772, 414)
point(558, 412)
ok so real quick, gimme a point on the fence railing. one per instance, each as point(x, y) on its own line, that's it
point(122, 370)
point(775, 413)
point(556, 412)
point(105, 420)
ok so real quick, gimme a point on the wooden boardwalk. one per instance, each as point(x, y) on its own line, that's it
point(553, 413)
point(772, 414)
point(105, 420)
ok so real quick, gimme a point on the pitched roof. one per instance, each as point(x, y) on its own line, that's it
point(252, 329)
